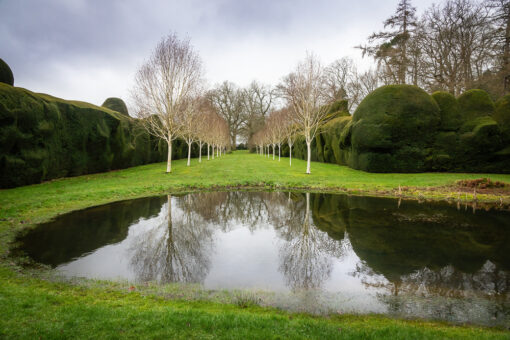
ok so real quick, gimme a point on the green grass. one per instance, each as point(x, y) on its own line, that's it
point(34, 307)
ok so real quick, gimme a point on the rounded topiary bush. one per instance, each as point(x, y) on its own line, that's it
point(6, 75)
point(451, 117)
point(116, 104)
point(474, 104)
point(392, 130)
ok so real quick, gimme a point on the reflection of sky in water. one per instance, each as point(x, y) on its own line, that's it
point(240, 259)
point(262, 242)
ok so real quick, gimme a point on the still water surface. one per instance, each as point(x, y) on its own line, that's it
point(313, 252)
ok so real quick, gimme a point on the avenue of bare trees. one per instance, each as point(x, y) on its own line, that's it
point(454, 46)
point(169, 100)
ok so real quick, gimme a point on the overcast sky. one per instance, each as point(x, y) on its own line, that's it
point(90, 49)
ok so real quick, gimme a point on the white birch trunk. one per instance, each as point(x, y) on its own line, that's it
point(189, 153)
point(290, 154)
point(308, 157)
point(199, 151)
point(274, 150)
point(279, 151)
point(169, 158)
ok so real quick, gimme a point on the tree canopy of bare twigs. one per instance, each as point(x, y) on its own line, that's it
point(165, 87)
point(228, 100)
point(305, 93)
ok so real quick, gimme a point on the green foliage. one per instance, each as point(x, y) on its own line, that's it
point(451, 118)
point(401, 128)
point(502, 116)
point(328, 142)
point(392, 129)
point(340, 108)
point(43, 137)
point(116, 104)
point(475, 103)
point(6, 75)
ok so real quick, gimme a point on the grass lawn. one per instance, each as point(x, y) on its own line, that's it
point(33, 307)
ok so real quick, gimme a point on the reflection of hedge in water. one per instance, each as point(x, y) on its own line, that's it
point(72, 235)
point(400, 128)
point(396, 242)
point(43, 137)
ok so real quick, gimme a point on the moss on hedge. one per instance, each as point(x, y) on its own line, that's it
point(116, 104)
point(6, 75)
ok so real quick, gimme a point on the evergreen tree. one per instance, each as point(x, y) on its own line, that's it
point(390, 48)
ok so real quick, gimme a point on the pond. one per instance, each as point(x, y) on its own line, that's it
point(319, 253)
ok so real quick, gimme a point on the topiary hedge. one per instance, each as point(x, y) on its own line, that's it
point(475, 103)
point(6, 75)
point(401, 128)
point(392, 130)
point(116, 104)
point(43, 137)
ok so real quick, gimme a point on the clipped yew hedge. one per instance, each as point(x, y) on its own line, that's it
point(43, 137)
point(116, 104)
point(401, 128)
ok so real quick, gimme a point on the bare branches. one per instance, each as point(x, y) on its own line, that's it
point(305, 93)
point(228, 101)
point(166, 87)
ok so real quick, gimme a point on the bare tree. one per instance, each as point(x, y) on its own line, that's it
point(458, 45)
point(164, 86)
point(258, 99)
point(305, 93)
point(228, 101)
point(338, 76)
point(290, 130)
point(190, 120)
point(344, 82)
point(500, 17)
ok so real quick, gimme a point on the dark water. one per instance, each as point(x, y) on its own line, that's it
point(313, 252)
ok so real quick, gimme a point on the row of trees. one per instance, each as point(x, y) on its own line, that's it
point(455, 46)
point(244, 109)
point(306, 94)
point(171, 103)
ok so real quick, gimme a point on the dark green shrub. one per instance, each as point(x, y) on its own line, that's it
point(392, 130)
point(328, 142)
point(475, 103)
point(451, 117)
point(502, 115)
point(340, 108)
point(6, 75)
point(116, 104)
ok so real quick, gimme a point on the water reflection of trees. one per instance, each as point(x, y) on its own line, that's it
point(177, 249)
point(417, 249)
point(305, 256)
point(432, 260)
